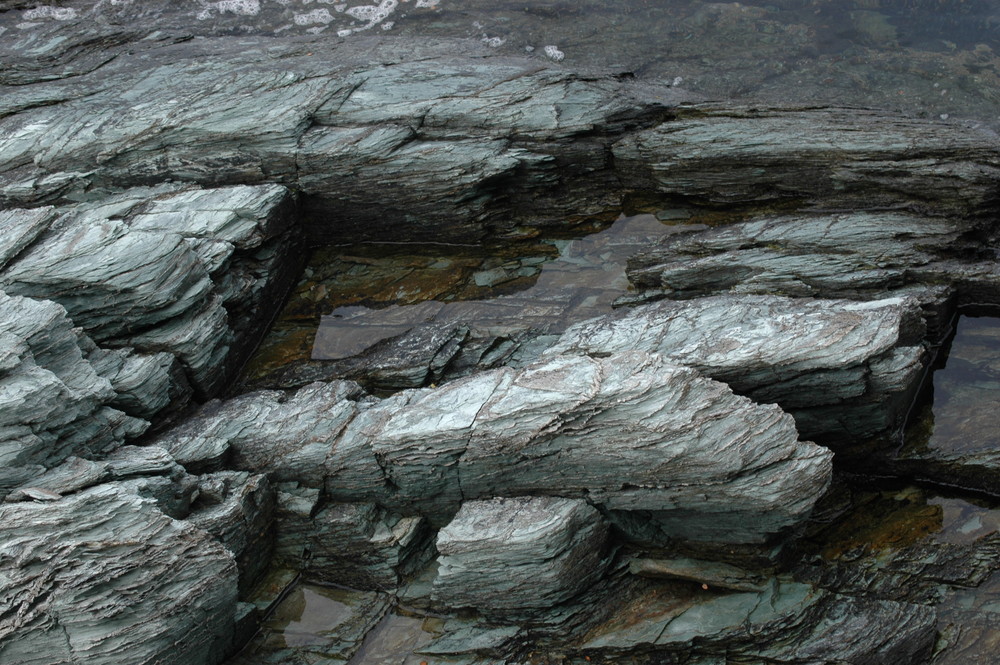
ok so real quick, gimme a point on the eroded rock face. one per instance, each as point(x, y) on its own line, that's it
point(103, 576)
point(816, 358)
point(166, 269)
point(631, 432)
point(549, 548)
point(841, 157)
point(54, 403)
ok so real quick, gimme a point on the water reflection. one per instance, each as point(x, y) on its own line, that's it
point(961, 424)
point(581, 282)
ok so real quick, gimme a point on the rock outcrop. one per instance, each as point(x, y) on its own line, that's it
point(844, 369)
point(103, 576)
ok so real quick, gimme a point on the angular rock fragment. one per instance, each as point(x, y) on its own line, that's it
point(844, 369)
point(549, 549)
point(53, 403)
point(104, 577)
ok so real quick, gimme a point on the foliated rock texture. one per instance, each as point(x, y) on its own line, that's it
point(815, 358)
point(168, 269)
point(847, 158)
point(632, 432)
point(104, 577)
point(548, 548)
point(859, 255)
point(358, 545)
point(53, 403)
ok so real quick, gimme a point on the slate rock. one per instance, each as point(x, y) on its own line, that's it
point(359, 546)
point(54, 403)
point(819, 359)
point(158, 269)
point(840, 157)
point(237, 508)
point(632, 432)
point(548, 548)
point(168, 593)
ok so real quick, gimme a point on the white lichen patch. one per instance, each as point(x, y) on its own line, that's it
point(315, 16)
point(554, 53)
point(58, 13)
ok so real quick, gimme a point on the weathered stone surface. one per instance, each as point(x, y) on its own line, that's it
point(103, 576)
point(710, 574)
point(632, 432)
point(549, 548)
point(54, 403)
point(862, 256)
point(157, 268)
point(845, 158)
point(145, 384)
point(360, 546)
point(76, 473)
point(820, 359)
point(238, 510)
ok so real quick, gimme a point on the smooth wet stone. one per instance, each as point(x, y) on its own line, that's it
point(549, 549)
point(316, 624)
point(168, 593)
point(787, 622)
point(820, 359)
point(633, 432)
point(53, 403)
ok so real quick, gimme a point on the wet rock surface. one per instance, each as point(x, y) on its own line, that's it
point(158, 165)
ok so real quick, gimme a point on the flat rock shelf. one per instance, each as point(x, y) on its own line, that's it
point(569, 364)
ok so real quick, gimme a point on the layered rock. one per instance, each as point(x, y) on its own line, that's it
point(54, 403)
point(631, 432)
point(862, 256)
point(160, 270)
point(844, 369)
point(549, 548)
point(845, 158)
point(103, 576)
point(358, 545)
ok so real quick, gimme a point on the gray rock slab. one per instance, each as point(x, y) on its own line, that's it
point(167, 594)
point(797, 352)
point(768, 155)
point(549, 549)
point(632, 431)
